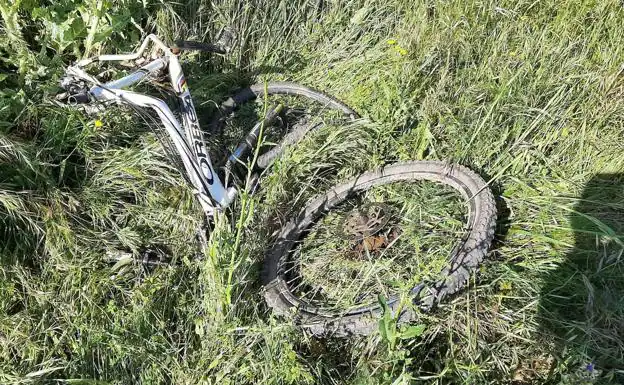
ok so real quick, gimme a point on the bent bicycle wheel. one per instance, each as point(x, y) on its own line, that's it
point(304, 110)
point(414, 229)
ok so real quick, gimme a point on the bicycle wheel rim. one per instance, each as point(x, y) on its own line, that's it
point(293, 133)
point(481, 217)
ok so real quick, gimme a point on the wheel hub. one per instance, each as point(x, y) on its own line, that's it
point(364, 226)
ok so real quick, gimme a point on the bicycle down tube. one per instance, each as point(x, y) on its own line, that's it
point(195, 136)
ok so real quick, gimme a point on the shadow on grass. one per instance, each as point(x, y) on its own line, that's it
point(582, 301)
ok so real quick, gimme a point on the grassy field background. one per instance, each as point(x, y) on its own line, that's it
point(529, 94)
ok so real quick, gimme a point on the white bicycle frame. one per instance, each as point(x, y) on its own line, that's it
point(186, 136)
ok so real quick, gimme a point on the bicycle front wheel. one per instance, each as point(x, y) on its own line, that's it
point(332, 285)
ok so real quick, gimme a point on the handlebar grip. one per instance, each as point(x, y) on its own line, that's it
point(199, 46)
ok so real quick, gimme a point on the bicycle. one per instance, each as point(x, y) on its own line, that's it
point(186, 144)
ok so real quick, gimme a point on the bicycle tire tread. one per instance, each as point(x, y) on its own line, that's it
point(456, 276)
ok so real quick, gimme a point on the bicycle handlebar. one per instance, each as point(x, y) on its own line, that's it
point(130, 56)
point(199, 46)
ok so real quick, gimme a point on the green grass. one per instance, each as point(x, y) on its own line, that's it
point(528, 94)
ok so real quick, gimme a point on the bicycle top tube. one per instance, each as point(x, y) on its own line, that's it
point(140, 74)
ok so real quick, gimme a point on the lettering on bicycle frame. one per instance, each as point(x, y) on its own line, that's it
point(199, 147)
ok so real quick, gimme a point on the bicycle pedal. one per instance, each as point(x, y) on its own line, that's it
point(226, 38)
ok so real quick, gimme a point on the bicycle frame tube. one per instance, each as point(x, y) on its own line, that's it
point(139, 74)
point(194, 134)
point(187, 136)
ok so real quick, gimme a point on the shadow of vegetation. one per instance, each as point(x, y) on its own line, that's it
point(330, 359)
point(582, 301)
